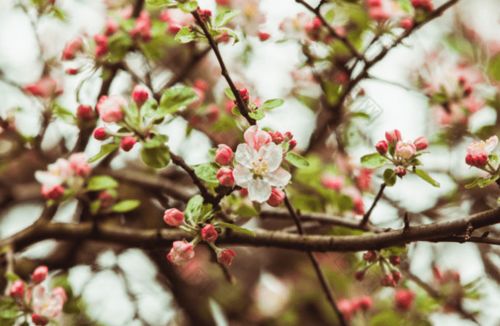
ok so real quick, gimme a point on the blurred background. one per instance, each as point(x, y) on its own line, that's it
point(120, 286)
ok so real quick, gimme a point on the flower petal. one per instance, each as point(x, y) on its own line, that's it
point(273, 154)
point(242, 176)
point(491, 144)
point(48, 179)
point(278, 178)
point(245, 155)
point(259, 190)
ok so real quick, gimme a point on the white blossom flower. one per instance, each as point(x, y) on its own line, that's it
point(259, 170)
point(47, 304)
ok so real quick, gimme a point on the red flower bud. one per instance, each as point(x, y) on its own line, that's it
point(224, 155)
point(140, 95)
point(263, 36)
point(85, 112)
point(406, 23)
point(395, 260)
point(226, 257)
point(100, 133)
point(359, 275)
point(225, 177)
point(277, 137)
point(205, 14)
point(403, 299)
point(106, 199)
point(209, 233)
point(421, 143)
point(52, 192)
point(39, 320)
point(173, 217)
point(364, 302)
point(396, 276)
point(370, 256)
point(245, 96)
point(292, 144)
point(17, 289)
point(277, 197)
point(400, 171)
point(388, 280)
point(393, 136)
point(382, 147)
point(39, 274)
point(127, 143)
point(72, 71)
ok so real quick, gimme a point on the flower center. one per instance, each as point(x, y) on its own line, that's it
point(260, 168)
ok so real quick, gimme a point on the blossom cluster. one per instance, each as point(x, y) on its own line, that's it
point(183, 251)
point(35, 298)
point(349, 307)
point(481, 154)
point(387, 262)
point(64, 175)
point(257, 165)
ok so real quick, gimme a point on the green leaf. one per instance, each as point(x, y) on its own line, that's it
point(257, 114)
point(373, 161)
point(236, 228)
point(389, 177)
point(132, 115)
point(105, 150)
point(272, 104)
point(101, 182)
point(246, 211)
point(484, 182)
point(160, 3)
point(126, 205)
point(297, 160)
point(206, 172)
point(63, 114)
point(185, 35)
point(95, 206)
point(156, 141)
point(225, 16)
point(11, 277)
point(193, 208)
point(188, 6)
point(229, 94)
point(175, 99)
point(156, 157)
point(426, 177)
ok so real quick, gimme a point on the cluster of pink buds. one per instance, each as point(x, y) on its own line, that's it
point(175, 19)
point(402, 153)
point(425, 5)
point(479, 152)
point(349, 307)
point(256, 165)
point(142, 27)
point(383, 10)
point(46, 87)
point(182, 251)
point(33, 297)
point(101, 45)
point(403, 299)
point(390, 263)
point(63, 174)
point(72, 48)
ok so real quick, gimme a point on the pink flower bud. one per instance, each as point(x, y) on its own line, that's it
point(17, 289)
point(393, 136)
point(405, 150)
point(111, 27)
point(225, 177)
point(403, 299)
point(332, 182)
point(106, 199)
point(382, 147)
point(277, 197)
point(226, 257)
point(346, 308)
point(256, 138)
point(478, 151)
point(39, 274)
point(396, 276)
point(359, 206)
point(400, 171)
point(72, 48)
point(478, 160)
point(277, 137)
point(364, 179)
point(244, 192)
point(39, 320)
point(395, 260)
point(52, 192)
point(142, 27)
point(110, 108)
point(85, 112)
point(421, 143)
point(245, 96)
point(388, 280)
point(140, 95)
point(127, 143)
point(223, 2)
point(406, 23)
point(212, 113)
point(263, 36)
point(101, 42)
point(224, 155)
point(425, 5)
point(78, 163)
point(72, 71)
point(292, 144)
point(173, 217)
point(205, 14)
point(46, 87)
point(370, 256)
point(209, 233)
point(173, 28)
point(365, 302)
point(100, 133)
point(181, 252)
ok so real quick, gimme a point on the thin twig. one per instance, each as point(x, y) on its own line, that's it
point(366, 217)
point(317, 268)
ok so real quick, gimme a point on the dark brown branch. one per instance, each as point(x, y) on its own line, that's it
point(317, 269)
point(242, 107)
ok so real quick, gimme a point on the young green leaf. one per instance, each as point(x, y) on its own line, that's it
point(373, 161)
point(426, 177)
point(389, 177)
point(125, 206)
point(101, 182)
point(236, 228)
point(156, 157)
point(188, 6)
point(272, 104)
point(63, 114)
point(225, 16)
point(297, 160)
point(229, 94)
point(175, 99)
point(185, 35)
point(193, 208)
point(105, 150)
point(206, 172)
